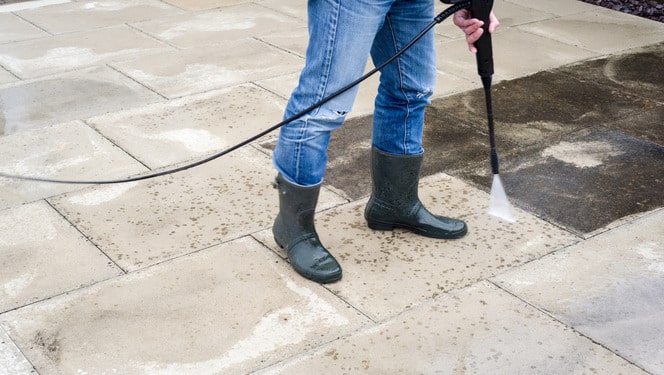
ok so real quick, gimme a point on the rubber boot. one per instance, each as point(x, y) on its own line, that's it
point(395, 203)
point(294, 231)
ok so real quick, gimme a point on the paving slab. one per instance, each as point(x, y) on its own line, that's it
point(294, 40)
point(64, 151)
point(636, 72)
point(185, 72)
point(14, 28)
point(143, 223)
point(217, 26)
point(86, 15)
point(582, 173)
point(66, 52)
point(516, 54)
point(16, 5)
point(295, 8)
point(66, 97)
point(42, 255)
point(6, 77)
point(12, 361)
point(412, 269)
point(609, 288)
point(510, 15)
point(558, 8)
point(203, 4)
point(622, 31)
point(478, 330)
point(182, 129)
point(202, 314)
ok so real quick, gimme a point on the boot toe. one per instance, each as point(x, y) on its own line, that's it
point(311, 260)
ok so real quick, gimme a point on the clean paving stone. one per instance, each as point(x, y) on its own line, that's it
point(196, 70)
point(67, 97)
point(42, 255)
point(14, 28)
point(216, 26)
point(87, 15)
point(182, 129)
point(70, 51)
point(609, 288)
point(623, 31)
point(478, 330)
point(516, 53)
point(230, 309)
point(12, 361)
point(70, 151)
point(204, 4)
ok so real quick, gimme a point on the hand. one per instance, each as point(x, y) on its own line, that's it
point(472, 27)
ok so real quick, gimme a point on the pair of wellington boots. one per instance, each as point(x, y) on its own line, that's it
point(394, 203)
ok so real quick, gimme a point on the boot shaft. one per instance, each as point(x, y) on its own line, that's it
point(395, 177)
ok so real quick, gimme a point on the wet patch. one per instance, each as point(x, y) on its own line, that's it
point(588, 179)
point(580, 145)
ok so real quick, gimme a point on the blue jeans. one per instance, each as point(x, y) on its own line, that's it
point(343, 33)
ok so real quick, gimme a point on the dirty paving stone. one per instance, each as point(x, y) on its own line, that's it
point(600, 162)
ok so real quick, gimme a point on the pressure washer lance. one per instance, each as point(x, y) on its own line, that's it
point(499, 205)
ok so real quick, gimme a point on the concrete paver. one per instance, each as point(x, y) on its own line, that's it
point(536, 54)
point(56, 261)
point(86, 15)
point(180, 274)
point(621, 30)
point(202, 314)
point(608, 288)
point(216, 26)
point(13, 28)
point(47, 101)
point(163, 134)
point(70, 149)
point(185, 72)
point(12, 361)
point(60, 53)
point(478, 330)
point(6, 77)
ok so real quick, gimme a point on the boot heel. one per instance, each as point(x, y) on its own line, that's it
point(380, 226)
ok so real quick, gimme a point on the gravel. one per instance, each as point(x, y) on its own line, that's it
point(650, 9)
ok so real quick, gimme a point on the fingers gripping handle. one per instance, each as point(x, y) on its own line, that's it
point(481, 9)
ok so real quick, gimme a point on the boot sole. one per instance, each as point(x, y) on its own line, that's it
point(389, 227)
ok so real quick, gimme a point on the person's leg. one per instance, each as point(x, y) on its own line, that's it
point(397, 154)
point(406, 84)
point(341, 33)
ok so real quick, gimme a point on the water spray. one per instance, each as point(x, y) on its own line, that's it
point(499, 205)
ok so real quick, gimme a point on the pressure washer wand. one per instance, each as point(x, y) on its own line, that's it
point(499, 205)
point(481, 9)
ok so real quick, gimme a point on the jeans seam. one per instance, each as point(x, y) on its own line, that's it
point(401, 87)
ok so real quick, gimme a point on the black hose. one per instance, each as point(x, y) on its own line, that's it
point(438, 19)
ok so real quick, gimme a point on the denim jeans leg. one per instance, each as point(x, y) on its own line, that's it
point(407, 84)
point(341, 33)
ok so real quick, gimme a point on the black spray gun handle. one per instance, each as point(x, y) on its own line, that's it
point(481, 9)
